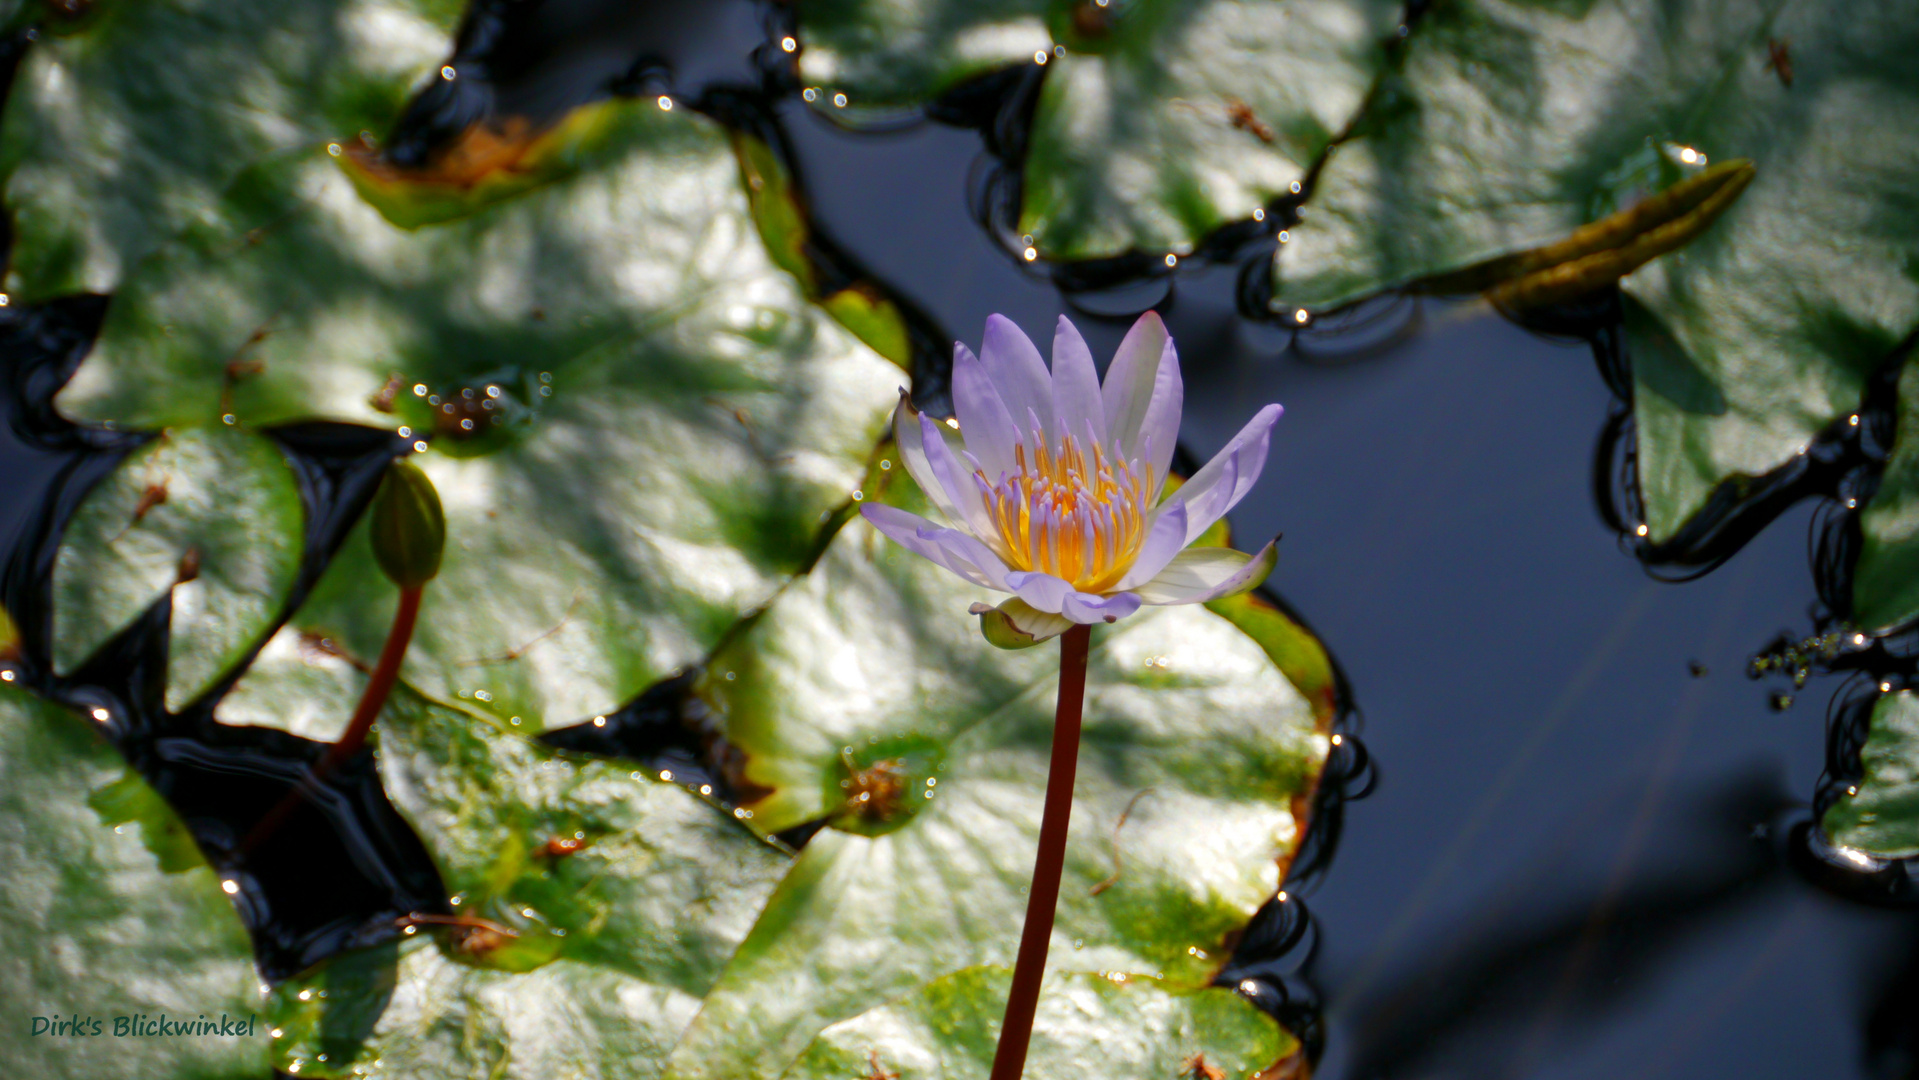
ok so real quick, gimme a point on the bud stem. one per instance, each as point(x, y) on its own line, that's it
point(385, 673)
point(1009, 1059)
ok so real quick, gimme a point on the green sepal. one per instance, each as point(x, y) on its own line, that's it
point(1017, 624)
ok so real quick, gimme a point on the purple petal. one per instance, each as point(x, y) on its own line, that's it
point(1089, 608)
point(967, 507)
point(1164, 540)
point(1159, 429)
point(1201, 574)
point(1016, 370)
point(1131, 381)
point(1043, 591)
point(1076, 394)
point(930, 542)
point(1228, 477)
point(985, 423)
point(911, 436)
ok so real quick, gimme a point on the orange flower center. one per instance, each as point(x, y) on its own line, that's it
point(1081, 520)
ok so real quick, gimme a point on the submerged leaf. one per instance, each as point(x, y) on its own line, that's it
point(212, 515)
point(109, 912)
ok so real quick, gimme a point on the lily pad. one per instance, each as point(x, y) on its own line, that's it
point(1881, 817)
point(214, 515)
point(864, 698)
point(1087, 1025)
point(1158, 122)
point(1508, 124)
point(129, 125)
point(108, 913)
point(1885, 579)
point(594, 905)
point(623, 328)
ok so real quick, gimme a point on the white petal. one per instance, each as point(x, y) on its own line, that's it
point(1200, 574)
point(1043, 591)
point(1165, 538)
point(942, 547)
point(985, 423)
point(1017, 372)
point(1090, 608)
point(1131, 380)
point(1079, 410)
point(1227, 478)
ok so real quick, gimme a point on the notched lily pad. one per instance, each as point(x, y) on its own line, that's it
point(108, 911)
point(1110, 1024)
point(868, 669)
point(215, 516)
point(1881, 817)
point(1885, 580)
point(592, 906)
point(1158, 121)
point(128, 127)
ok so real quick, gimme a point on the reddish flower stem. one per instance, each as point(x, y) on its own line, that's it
point(385, 673)
point(1009, 1059)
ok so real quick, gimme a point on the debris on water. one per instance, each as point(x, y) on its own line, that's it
point(1779, 700)
point(1696, 669)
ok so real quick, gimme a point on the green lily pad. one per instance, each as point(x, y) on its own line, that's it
point(1510, 123)
point(214, 515)
point(1086, 1025)
point(600, 905)
point(1881, 817)
point(1885, 579)
point(865, 697)
point(1158, 121)
point(623, 329)
point(108, 913)
point(129, 126)
point(298, 682)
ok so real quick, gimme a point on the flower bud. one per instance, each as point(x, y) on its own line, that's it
point(409, 530)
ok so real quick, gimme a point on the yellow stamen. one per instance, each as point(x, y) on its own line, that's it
point(1081, 521)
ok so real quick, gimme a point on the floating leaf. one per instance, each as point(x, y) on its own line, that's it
point(1087, 1025)
point(1881, 817)
point(129, 126)
point(1885, 580)
point(298, 682)
point(214, 515)
point(1510, 124)
point(623, 329)
point(864, 698)
point(1158, 121)
point(594, 906)
point(109, 912)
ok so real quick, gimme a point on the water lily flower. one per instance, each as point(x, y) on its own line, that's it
point(1057, 492)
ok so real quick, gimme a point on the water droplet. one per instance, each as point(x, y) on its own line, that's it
point(839, 101)
point(1640, 530)
point(1259, 214)
point(230, 887)
point(666, 103)
point(448, 73)
point(787, 44)
point(229, 419)
point(1172, 259)
point(599, 721)
point(102, 715)
point(666, 774)
point(885, 465)
point(334, 149)
point(1030, 254)
point(811, 94)
point(1295, 187)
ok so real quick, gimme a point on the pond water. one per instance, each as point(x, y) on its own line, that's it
point(1577, 851)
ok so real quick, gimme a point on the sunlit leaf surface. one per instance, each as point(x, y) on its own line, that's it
point(127, 124)
point(599, 904)
point(213, 515)
point(1159, 121)
point(107, 909)
point(1087, 1025)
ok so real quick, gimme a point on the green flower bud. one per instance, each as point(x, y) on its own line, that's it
point(409, 530)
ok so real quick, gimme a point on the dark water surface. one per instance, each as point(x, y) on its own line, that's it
point(1577, 856)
